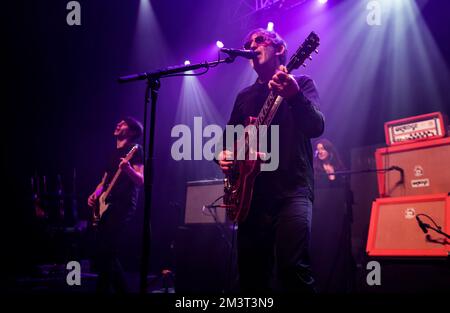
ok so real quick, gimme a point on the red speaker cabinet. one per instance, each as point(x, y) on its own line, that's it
point(426, 168)
point(394, 230)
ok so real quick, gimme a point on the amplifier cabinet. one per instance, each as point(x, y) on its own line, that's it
point(425, 165)
point(199, 195)
point(395, 231)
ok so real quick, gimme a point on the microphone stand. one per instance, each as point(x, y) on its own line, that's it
point(371, 170)
point(151, 92)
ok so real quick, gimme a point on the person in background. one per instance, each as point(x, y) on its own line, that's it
point(327, 161)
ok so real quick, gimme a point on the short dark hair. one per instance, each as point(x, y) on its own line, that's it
point(135, 126)
point(274, 37)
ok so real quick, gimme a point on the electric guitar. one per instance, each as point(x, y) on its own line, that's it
point(103, 204)
point(238, 183)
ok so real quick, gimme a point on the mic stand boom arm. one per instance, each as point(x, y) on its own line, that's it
point(370, 170)
point(374, 170)
point(171, 70)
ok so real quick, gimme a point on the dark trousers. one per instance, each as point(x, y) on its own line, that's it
point(111, 277)
point(274, 242)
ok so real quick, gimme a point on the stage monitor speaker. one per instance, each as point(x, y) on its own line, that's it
point(425, 165)
point(200, 194)
point(395, 231)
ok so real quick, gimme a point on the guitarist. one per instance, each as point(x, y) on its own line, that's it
point(277, 228)
point(123, 201)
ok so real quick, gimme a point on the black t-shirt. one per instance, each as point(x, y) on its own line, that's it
point(299, 119)
point(322, 180)
point(124, 195)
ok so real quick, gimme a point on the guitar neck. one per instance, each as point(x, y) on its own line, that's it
point(270, 106)
point(119, 171)
point(268, 110)
point(112, 183)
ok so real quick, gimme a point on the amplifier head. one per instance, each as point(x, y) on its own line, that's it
point(416, 128)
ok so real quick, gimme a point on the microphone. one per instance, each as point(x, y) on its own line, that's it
point(248, 54)
point(316, 154)
point(422, 225)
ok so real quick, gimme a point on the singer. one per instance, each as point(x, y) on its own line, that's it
point(279, 221)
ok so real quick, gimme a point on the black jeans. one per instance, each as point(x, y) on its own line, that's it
point(276, 236)
point(111, 277)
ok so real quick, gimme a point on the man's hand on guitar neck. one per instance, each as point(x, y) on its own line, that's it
point(124, 165)
point(135, 172)
point(283, 83)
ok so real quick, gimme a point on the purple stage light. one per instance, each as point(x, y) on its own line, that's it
point(187, 62)
point(322, 1)
point(270, 26)
point(219, 44)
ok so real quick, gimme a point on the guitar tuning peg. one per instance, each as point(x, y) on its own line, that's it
point(304, 65)
point(310, 57)
point(316, 51)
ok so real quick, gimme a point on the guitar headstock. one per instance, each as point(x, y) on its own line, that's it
point(304, 51)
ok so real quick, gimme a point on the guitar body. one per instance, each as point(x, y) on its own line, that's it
point(241, 192)
point(238, 184)
point(100, 208)
point(102, 204)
